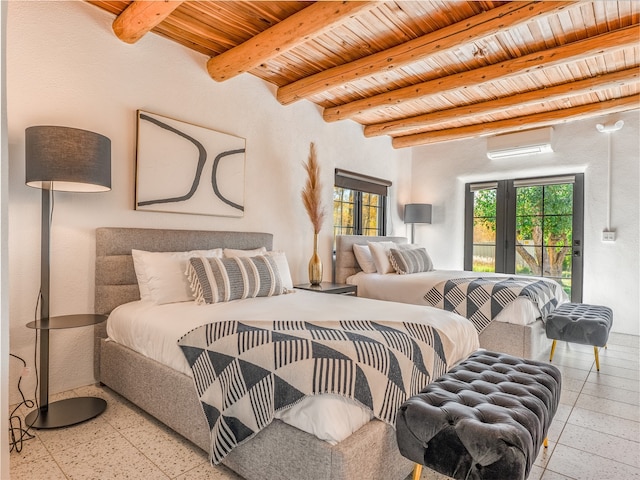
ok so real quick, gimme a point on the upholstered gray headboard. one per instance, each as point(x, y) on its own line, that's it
point(116, 282)
point(115, 277)
point(346, 263)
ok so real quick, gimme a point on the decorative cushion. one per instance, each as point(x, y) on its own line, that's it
point(232, 252)
point(484, 419)
point(215, 280)
point(580, 323)
point(364, 258)
point(412, 260)
point(283, 268)
point(161, 277)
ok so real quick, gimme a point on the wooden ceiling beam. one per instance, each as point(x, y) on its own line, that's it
point(421, 123)
point(140, 17)
point(545, 119)
point(571, 52)
point(445, 39)
point(310, 22)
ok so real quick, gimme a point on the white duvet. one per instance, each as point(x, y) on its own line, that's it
point(412, 288)
point(153, 330)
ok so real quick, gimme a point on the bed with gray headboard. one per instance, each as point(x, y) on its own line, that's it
point(279, 451)
point(527, 341)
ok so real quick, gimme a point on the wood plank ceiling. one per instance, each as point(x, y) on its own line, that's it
point(419, 71)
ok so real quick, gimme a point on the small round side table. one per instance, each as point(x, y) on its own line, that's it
point(71, 410)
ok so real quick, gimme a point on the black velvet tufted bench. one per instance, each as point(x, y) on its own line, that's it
point(484, 419)
point(580, 323)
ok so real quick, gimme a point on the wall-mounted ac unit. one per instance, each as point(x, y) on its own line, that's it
point(528, 142)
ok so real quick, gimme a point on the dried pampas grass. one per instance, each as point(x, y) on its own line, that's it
point(312, 192)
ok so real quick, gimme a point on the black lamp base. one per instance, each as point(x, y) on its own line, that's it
point(64, 413)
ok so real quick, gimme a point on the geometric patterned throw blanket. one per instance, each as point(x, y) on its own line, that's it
point(245, 371)
point(482, 299)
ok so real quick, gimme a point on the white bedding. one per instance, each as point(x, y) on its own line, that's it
point(412, 288)
point(153, 330)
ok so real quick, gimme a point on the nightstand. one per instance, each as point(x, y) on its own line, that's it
point(328, 287)
point(71, 410)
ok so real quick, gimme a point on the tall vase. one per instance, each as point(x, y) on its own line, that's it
point(315, 264)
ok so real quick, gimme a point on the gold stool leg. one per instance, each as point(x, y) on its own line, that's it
point(595, 352)
point(546, 442)
point(553, 349)
point(417, 471)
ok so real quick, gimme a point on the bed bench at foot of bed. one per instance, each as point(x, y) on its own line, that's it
point(487, 418)
point(280, 451)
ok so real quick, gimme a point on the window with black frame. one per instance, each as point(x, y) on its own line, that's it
point(359, 204)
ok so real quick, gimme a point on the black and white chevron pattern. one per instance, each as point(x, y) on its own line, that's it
point(246, 371)
point(481, 299)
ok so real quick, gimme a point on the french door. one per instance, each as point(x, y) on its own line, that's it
point(528, 227)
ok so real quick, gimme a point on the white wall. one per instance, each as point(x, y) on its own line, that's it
point(611, 270)
point(4, 250)
point(66, 67)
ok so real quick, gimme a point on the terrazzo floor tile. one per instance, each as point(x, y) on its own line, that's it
point(58, 439)
point(31, 450)
point(549, 475)
point(42, 468)
point(615, 394)
point(108, 457)
point(601, 422)
point(626, 369)
point(580, 465)
point(206, 471)
point(536, 473)
point(602, 444)
point(568, 397)
point(617, 409)
point(170, 452)
point(613, 382)
point(626, 340)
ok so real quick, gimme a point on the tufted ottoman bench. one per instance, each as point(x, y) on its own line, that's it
point(580, 323)
point(484, 419)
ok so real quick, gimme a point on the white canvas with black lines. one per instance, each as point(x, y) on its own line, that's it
point(186, 168)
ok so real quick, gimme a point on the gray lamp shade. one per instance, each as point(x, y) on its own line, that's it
point(67, 159)
point(417, 213)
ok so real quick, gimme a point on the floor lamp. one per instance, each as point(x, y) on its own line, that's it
point(417, 213)
point(68, 160)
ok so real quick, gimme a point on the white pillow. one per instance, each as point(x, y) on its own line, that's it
point(380, 254)
point(283, 268)
point(161, 275)
point(232, 252)
point(364, 258)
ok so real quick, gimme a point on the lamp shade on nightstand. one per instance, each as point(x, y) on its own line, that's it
point(67, 159)
point(417, 213)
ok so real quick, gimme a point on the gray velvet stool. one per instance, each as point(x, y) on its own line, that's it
point(580, 323)
point(484, 419)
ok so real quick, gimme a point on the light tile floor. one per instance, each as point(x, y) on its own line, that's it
point(594, 435)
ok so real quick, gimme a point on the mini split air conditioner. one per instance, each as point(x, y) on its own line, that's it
point(528, 142)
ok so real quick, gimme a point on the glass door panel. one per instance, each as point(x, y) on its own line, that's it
point(484, 230)
point(544, 231)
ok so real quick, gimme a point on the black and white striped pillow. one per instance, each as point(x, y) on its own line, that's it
point(412, 260)
point(215, 280)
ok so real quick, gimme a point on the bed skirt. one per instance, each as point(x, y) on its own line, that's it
point(278, 452)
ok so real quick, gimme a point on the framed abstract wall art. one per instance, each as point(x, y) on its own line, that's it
point(185, 168)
